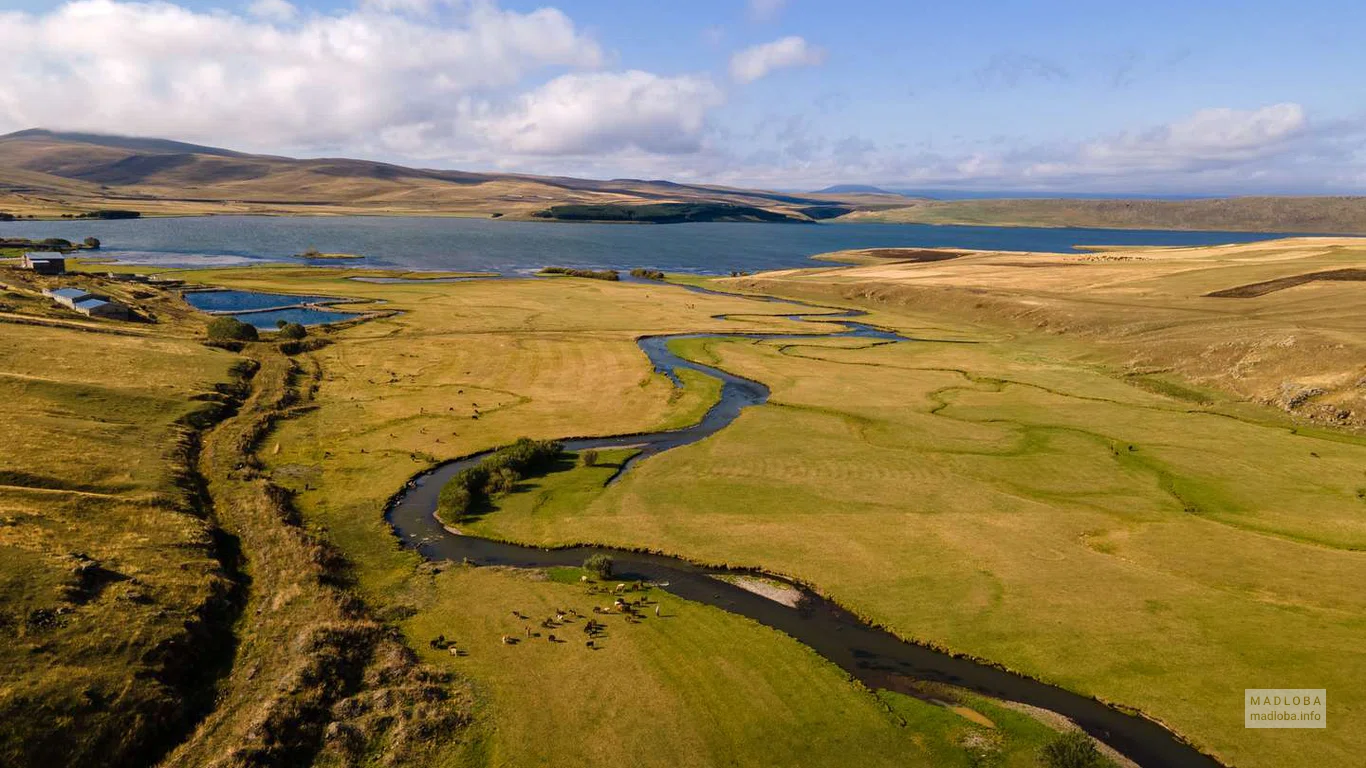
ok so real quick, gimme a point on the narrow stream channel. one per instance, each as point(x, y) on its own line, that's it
point(872, 655)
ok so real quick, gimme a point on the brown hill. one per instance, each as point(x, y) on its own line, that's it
point(46, 174)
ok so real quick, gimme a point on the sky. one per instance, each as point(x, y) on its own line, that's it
point(1166, 97)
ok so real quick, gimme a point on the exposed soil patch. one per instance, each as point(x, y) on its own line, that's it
point(1253, 290)
point(776, 591)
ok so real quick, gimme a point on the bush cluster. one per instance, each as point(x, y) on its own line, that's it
point(497, 474)
point(599, 565)
point(291, 331)
point(1073, 749)
point(592, 274)
point(647, 274)
point(226, 328)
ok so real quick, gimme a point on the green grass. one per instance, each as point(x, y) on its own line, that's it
point(550, 497)
point(694, 687)
point(982, 497)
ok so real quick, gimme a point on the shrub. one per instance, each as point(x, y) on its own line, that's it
point(600, 274)
point(1073, 749)
point(292, 331)
point(231, 329)
point(589, 458)
point(56, 242)
point(599, 565)
point(647, 274)
point(112, 213)
point(93, 243)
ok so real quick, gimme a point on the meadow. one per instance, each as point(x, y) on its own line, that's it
point(464, 367)
point(1068, 474)
point(1133, 531)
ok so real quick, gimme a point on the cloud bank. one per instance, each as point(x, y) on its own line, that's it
point(466, 83)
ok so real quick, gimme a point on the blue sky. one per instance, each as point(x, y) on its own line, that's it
point(1044, 96)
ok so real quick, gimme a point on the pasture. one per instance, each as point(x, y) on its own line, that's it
point(1082, 491)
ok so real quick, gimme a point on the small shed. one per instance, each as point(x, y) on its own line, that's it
point(44, 262)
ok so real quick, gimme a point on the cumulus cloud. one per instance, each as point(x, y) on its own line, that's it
point(154, 68)
point(1272, 149)
point(608, 111)
point(1208, 140)
point(759, 61)
point(1210, 135)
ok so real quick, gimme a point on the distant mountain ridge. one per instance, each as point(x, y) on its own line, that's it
point(49, 173)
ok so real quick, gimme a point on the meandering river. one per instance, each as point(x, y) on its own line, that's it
point(871, 654)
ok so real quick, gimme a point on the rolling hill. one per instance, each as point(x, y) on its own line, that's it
point(44, 173)
point(50, 174)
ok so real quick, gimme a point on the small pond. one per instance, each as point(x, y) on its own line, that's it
point(269, 319)
point(245, 301)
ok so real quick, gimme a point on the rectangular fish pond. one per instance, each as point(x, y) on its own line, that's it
point(266, 310)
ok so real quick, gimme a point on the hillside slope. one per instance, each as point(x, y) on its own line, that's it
point(43, 173)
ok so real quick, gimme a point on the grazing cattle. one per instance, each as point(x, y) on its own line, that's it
point(509, 640)
point(656, 610)
point(552, 639)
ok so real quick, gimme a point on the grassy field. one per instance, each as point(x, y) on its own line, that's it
point(549, 358)
point(1319, 215)
point(694, 686)
point(1194, 545)
point(114, 603)
point(1082, 492)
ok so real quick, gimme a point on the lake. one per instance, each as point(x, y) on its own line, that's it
point(483, 245)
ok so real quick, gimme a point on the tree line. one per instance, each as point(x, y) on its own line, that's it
point(495, 475)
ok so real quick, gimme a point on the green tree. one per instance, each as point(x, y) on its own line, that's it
point(589, 458)
point(599, 565)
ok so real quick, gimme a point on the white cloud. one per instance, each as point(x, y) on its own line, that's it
point(1210, 135)
point(605, 112)
point(766, 10)
point(153, 68)
point(273, 10)
point(754, 63)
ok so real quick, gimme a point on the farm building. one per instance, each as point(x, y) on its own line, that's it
point(96, 307)
point(44, 262)
point(67, 297)
point(88, 304)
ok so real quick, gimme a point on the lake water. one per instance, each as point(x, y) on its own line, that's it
point(484, 245)
point(241, 301)
point(270, 319)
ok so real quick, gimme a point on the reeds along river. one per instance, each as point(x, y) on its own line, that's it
point(870, 654)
